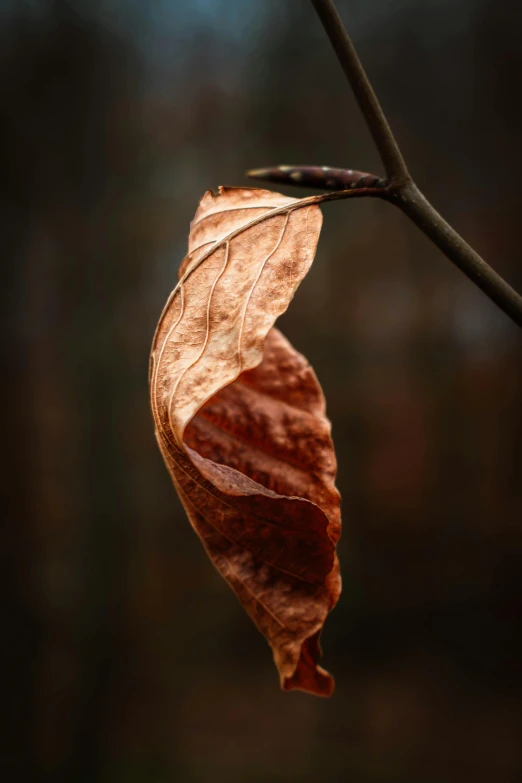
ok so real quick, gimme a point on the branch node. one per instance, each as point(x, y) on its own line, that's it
point(401, 190)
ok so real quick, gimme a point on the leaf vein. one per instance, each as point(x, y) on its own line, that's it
point(254, 284)
point(230, 209)
point(189, 502)
point(205, 342)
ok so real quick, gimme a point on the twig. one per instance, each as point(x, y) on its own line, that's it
point(414, 204)
point(400, 188)
point(383, 137)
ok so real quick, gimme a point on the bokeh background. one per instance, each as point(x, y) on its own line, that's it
point(125, 658)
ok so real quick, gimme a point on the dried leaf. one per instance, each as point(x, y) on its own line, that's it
point(240, 420)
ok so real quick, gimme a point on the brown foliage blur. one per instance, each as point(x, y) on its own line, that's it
point(115, 118)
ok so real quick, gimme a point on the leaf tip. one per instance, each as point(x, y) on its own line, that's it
point(308, 676)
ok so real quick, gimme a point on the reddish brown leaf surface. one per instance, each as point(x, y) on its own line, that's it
point(240, 420)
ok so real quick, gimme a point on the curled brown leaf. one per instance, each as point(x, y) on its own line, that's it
point(240, 420)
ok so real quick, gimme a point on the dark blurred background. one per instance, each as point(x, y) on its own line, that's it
point(125, 658)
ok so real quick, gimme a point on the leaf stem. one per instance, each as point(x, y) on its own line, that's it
point(401, 189)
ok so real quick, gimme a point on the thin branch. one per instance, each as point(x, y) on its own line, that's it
point(415, 205)
point(401, 189)
point(383, 137)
